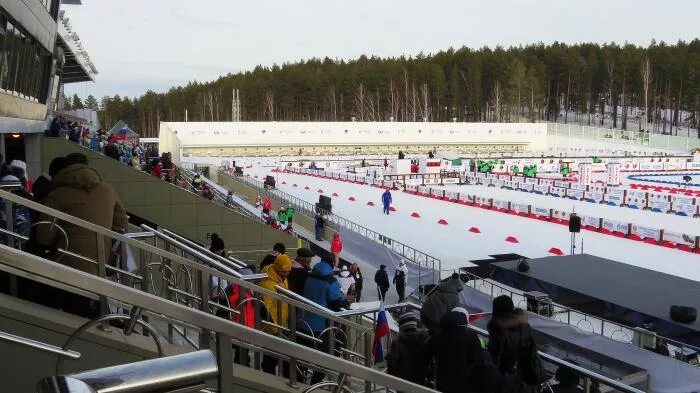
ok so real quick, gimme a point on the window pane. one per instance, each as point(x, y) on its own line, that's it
point(19, 76)
point(3, 65)
point(9, 54)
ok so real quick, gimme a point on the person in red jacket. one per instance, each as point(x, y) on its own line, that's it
point(267, 205)
point(336, 248)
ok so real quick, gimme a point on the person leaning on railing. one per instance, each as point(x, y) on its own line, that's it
point(278, 312)
point(79, 191)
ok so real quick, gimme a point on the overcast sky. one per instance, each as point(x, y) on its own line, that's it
point(155, 44)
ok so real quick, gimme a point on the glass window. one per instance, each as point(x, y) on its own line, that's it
point(3, 31)
point(9, 56)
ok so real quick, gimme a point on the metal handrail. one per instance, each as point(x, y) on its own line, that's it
point(17, 262)
point(290, 298)
point(38, 345)
point(568, 311)
point(174, 257)
point(308, 209)
point(203, 250)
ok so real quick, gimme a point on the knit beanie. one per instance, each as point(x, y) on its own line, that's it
point(408, 321)
point(463, 311)
point(502, 306)
point(282, 263)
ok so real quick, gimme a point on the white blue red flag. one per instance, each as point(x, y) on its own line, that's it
point(381, 330)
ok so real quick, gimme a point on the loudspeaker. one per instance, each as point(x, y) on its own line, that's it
point(270, 181)
point(523, 266)
point(324, 202)
point(574, 223)
point(683, 314)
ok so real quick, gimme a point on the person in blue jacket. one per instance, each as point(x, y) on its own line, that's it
point(386, 201)
point(322, 288)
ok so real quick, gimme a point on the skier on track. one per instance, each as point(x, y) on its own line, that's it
point(386, 201)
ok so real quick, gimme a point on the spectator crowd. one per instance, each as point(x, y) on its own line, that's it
point(434, 347)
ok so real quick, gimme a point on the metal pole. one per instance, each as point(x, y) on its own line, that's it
point(224, 359)
point(204, 287)
point(102, 272)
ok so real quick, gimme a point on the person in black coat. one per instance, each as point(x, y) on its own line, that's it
point(455, 349)
point(356, 274)
point(381, 278)
point(511, 344)
point(407, 357)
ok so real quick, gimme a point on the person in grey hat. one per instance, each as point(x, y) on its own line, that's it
point(407, 357)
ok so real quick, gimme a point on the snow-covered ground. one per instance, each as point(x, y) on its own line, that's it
point(455, 245)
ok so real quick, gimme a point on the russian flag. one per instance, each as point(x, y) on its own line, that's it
point(381, 330)
point(121, 135)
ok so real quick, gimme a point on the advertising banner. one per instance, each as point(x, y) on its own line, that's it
point(661, 205)
point(561, 184)
point(585, 173)
point(646, 232)
point(574, 193)
point(590, 221)
point(541, 188)
point(679, 238)
point(526, 186)
point(499, 204)
point(615, 226)
point(520, 208)
point(540, 210)
point(613, 169)
point(594, 195)
point(578, 186)
point(561, 214)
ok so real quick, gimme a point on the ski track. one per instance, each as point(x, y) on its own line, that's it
point(455, 245)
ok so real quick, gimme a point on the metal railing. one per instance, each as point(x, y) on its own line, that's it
point(572, 317)
point(645, 139)
point(336, 222)
point(38, 345)
point(222, 331)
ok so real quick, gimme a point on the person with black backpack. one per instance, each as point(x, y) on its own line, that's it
point(511, 344)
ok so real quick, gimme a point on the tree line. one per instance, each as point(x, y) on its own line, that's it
point(654, 89)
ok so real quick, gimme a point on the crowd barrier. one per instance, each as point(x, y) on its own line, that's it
point(631, 231)
point(599, 193)
point(681, 202)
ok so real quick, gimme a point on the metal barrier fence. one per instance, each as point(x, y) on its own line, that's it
point(220, 333)
point(336, 222)
point(182, 272)
point(651, 140)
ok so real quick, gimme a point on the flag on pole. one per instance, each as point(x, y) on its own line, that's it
point(121, 134)
point(381, 330)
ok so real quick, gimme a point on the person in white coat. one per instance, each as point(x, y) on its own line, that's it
point(347, 282)
point(400, 277)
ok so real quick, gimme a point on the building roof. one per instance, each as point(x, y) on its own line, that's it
point(642, 290)
point(78, 67)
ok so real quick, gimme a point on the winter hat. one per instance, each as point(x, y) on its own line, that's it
point(502, 306)
point(282, 263)
point(462, 310)
point(344, 272)
point(304, 253)
point(408, 321)
point(18, 164)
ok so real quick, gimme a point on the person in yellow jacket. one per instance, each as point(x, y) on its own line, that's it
point(279, 312)
point(277, 274)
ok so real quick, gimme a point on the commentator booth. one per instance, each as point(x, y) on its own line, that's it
point(615, 291)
